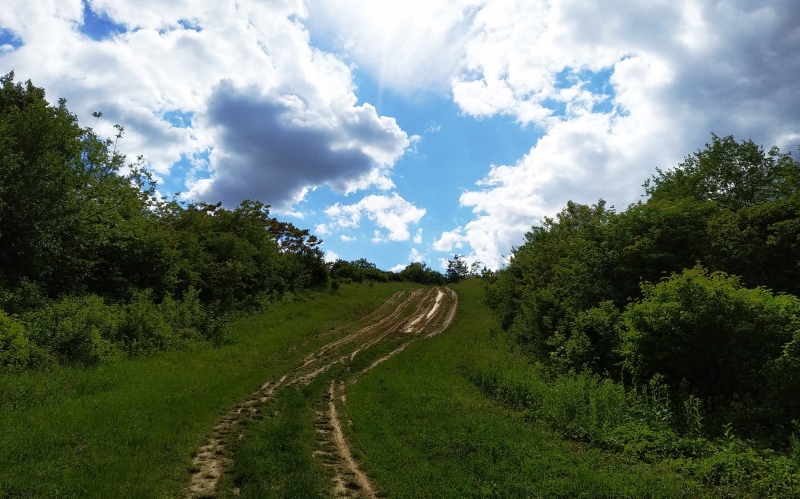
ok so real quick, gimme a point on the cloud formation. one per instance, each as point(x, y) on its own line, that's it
point(449, 240)
point(275, 146)
point(615, 90)
point(677, 71)
point(268, 114)
point(390, 212)
point(235, 92)
point(408, 45)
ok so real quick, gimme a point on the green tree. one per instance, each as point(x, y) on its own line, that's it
point(420, 272)
point(733, 174)
point(69, 222)
point(457, 269)
point(707, 331)
point(40, 153)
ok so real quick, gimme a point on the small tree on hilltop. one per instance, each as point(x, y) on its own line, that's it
point(457, 269)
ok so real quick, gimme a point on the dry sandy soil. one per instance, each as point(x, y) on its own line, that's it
point(422, 313)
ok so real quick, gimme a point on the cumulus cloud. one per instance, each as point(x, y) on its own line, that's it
point(418, 236)
point(322, 230)
point(614, 89)
point(330, 256)
point(449, 240)
point(347, 239)
point(415, 256)
point(278, 116)
point(274, 146)
point(390, 212)
point(611, 90)
point(676, 71)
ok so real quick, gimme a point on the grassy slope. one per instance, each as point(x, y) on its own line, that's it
point(128, 429)
point(423, 430)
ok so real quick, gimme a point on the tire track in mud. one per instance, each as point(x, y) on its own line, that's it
point(424, 313)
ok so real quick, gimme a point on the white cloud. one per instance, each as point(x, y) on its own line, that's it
point(347, 239)
point(433, 129)
point(322, 230)
point(415, 256)
point(615, 88)
point(398, 267)
point(449, 240)
point(330, 256)
point(278, 118)
point(390, 212)
point(418, 236)
point(408, 45)
point(377, 237)
point(678, 70)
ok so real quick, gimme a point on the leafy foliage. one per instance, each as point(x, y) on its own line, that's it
point(419, 272)
point(94, 264)
point(721, 340)
point(359, 271)
point(697, 285)
point(732, 175)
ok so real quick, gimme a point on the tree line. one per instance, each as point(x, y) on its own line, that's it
point(95, 265)
point(695, 288)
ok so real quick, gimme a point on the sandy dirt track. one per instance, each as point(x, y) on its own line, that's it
point(422, 313)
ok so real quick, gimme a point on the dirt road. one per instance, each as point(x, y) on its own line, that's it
point(404, 318)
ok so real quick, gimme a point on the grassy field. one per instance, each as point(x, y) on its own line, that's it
point(422, 429)
point(419, 423)
point(128, 429)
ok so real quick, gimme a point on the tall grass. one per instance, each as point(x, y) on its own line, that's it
point(642, 425)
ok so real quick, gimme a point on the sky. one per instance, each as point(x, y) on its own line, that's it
point(413, 130)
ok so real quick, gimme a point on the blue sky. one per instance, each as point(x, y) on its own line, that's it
point(410, 131)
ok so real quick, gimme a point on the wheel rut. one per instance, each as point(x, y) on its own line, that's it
point(406, 319)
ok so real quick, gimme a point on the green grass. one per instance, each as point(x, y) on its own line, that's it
point(275, 460)
point(422, 429)
point(128, 429)
point(422, 423)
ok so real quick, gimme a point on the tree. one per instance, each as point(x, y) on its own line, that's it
point(457, 269)
point(358, 271)
point(420, 272)
point(734, 175)
point(40, 146)
point(706, 330)
point(63, 204)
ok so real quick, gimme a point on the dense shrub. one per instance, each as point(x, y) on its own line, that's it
point(725, 342)
point(419, 272)
point(75, 329)
point(86, 330)
point(17, 351)
point(645, 424)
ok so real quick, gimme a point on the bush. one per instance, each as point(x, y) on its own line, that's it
point(143, 328)
point(75, 329)
point(17, 352)
point(187, 317)
point(592, 343)
point(580, 406)
point(642, 424)
point(706, 330)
